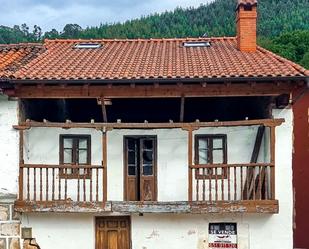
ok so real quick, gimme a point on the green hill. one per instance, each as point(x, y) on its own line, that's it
point(215, 19)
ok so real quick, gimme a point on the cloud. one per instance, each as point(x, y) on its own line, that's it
point(56, 13)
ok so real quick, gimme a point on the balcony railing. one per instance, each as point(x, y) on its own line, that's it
point(232, 182)
point(61, 183)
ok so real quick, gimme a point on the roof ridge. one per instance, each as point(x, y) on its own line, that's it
point(138, 39)
point(284, 60)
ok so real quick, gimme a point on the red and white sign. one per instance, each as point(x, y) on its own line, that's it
point(222, 235)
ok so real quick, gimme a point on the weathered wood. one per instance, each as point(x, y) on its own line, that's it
point(182, 109)
point(104, 113)
point(104, 164)
point(21, 161)
point(190, 158)
point(185, 126)
point(127, 207)
point(272, 160)
point(141, 91)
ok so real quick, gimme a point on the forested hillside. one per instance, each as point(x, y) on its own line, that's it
point(215, 19)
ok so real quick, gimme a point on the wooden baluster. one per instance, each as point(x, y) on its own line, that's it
point(197, 185)
point(253, 192)
point(216, 182)
point(266, 183)
point(247, 182)
point(59, 182)
point(235, 184)
point(97, 185)
point(53, 184)
point(46, 172)
point(90, 173)
point(209, 183)
point(204, 188)
point(228, 183)
point(222, 183)
point(241, 183)
point(41, 185)
point(260, 183)
point(78, 186)
point(34, 183)
point(28, 184)
point(84, 186)
point(66, 183)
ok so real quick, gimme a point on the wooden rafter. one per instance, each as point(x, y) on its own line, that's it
point(186, 126)
point(151, 90)
point(182, 109)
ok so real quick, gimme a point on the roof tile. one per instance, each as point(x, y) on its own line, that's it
point(149, 59)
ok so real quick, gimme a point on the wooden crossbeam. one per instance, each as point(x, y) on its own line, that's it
point(151, 90)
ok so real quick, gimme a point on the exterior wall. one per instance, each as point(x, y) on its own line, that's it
point(9, 220)
point(301, 172)
point(175, 231)
point(42, 147)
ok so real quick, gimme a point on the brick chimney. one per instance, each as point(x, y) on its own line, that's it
point(246, 15)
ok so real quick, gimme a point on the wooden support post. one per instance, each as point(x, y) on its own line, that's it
point(21, 161)
point(104, 164)
point(104, 113)
point(182, 109)
point(272, 160)
point(190, 144)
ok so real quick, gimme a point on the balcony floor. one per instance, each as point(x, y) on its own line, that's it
point(128, 207)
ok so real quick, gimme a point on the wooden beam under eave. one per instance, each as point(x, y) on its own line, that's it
point(150, 91)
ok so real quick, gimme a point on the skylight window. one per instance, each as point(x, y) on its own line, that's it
point(87, 45)
point(197, 44)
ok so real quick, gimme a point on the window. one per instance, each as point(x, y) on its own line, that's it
point(197, 44)
point(210, 149)
point(87, 45)
point(75, 151)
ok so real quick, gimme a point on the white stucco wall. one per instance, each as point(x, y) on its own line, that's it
point(152, 231)
point(172, 231)
point(8, 146)
point(42, 147)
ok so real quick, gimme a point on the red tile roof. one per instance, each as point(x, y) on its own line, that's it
point(247, 2)
point(153, 59)
point(14, 56)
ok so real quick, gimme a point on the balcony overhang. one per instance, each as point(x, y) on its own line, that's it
point(136, 207)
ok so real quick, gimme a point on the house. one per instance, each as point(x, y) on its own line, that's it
point(148, 143)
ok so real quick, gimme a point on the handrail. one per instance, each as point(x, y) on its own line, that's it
point(65, 166)
point(210, 166)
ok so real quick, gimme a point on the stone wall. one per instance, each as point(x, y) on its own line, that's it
point(9, 223)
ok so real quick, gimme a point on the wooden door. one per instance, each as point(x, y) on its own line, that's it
point(113, 233)
point(140, 168)
point(147, 169)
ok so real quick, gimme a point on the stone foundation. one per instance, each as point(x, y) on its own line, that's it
point(9, 223)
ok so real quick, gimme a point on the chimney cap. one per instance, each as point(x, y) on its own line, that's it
point(246, 3)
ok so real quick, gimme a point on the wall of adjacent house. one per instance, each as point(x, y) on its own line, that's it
point(41, 146)
point(183, 231)
point(9, 220)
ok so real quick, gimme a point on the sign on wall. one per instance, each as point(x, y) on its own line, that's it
point(222, 235)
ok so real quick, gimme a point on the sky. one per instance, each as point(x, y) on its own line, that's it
point(50, 14)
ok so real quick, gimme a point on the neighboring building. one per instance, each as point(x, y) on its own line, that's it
point(147, 144)
point(300, 168)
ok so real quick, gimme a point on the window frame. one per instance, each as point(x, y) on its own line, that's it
point(75, 148)
point(211, 175)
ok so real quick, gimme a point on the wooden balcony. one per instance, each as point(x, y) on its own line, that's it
point(61, 188)
point(212, 188)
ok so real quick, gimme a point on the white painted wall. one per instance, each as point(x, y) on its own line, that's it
point(8, 146)
point(172, 231)
point(42, 147)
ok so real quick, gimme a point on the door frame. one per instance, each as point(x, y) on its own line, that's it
point(113, 217)
point(125, 166)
